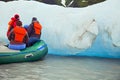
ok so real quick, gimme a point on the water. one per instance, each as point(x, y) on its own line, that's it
point(63, 68)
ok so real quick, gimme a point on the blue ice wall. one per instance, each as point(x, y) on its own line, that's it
point(98, 49)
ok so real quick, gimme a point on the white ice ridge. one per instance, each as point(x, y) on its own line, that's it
point(85, 33)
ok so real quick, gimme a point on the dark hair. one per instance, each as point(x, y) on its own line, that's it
point(34, 19)
point(19, 23)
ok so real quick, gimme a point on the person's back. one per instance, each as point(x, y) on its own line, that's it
point(18, 37)
point(34, 31)
point(12, 23)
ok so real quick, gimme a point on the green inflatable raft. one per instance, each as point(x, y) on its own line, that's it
point(32, 53)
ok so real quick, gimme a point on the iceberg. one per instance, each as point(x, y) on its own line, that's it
point(88, 31)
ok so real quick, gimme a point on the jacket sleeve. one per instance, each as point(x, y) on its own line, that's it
point(26, 38)
point(11, 35)
point(29, 29)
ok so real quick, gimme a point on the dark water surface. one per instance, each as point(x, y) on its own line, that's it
point(63, 68)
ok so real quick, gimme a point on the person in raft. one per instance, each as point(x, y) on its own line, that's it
point(34, 31)
point(12, 23)
point(18, 37)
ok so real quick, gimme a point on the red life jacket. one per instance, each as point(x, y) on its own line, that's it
point(13, 21)
point(20, 33)
point(37, 27)
point(11, 25)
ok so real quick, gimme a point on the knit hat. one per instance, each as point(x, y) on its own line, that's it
point(34, 19)
point(16, 16)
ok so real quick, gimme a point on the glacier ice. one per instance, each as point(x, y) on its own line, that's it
point(89, 31)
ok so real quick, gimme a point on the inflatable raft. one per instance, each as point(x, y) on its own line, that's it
point(32, 53)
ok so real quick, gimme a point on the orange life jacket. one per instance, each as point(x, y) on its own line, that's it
point(37, 27)
point(20, 33)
